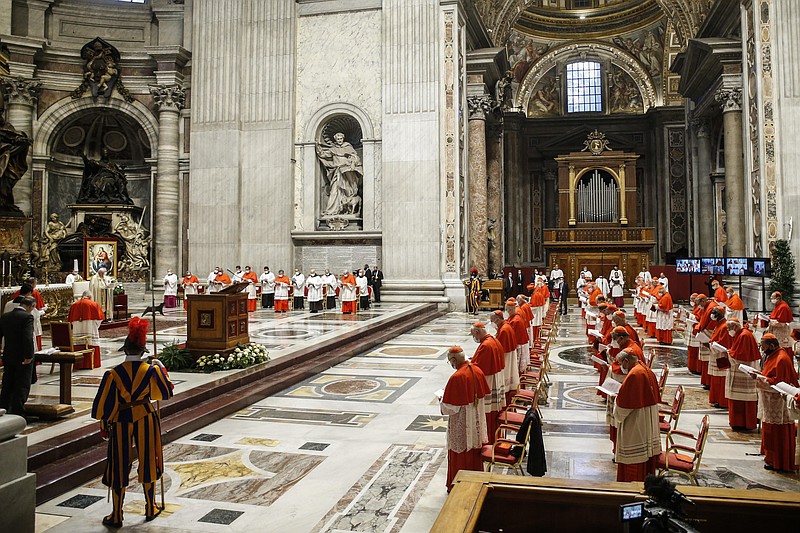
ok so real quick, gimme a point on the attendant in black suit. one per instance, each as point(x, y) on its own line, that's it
point(16, 328)
point(368, 275)
point(377, 281)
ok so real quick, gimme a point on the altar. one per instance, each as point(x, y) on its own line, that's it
point(57, 296)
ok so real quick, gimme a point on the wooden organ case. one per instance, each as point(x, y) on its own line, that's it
point(598, 225)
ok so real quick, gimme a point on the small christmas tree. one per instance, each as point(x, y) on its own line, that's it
point(783, 271)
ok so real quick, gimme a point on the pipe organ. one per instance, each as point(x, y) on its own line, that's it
point(596, 228)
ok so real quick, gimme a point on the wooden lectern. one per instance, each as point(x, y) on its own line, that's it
point(217, 322)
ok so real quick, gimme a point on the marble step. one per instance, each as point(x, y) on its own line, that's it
point(76, 457)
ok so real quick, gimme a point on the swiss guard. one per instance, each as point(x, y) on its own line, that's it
point(128, 418)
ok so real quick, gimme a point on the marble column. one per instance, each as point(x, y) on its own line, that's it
point(22, 95)
point(494, 196)
point(705, 187)
point(735, 201)
point(170, 100)
point(479, 106)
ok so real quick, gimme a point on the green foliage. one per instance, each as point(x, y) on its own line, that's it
point(175, 358)
point(241, 357)
point(783, 271)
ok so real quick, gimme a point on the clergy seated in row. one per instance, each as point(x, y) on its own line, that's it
point(636, 415)
point(85, 316)
point(463, 403)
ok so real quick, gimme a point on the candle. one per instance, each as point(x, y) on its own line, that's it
point(74, 264)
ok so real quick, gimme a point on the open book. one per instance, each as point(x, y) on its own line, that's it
point(595, 333)
point(749, 370)
point(599, 361)
point(718, 347)
point(439, 394)
point(762, 316)
point(691, 319)
point(610, 386)
point(702, 337)
point(786, 389)
point(602, 347)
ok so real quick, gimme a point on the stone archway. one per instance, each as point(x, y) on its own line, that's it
point(500, 17)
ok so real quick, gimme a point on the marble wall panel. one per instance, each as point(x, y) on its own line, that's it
point(337, 258)
point(338, 60)
point(411, 236)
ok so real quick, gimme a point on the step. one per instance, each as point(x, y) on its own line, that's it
point(76, 457)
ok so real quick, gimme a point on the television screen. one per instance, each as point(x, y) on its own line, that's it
point(687, 266)
point(759, 267)
point(712, 266)
point(736, 266)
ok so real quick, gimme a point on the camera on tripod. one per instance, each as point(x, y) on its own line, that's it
point(661, 513)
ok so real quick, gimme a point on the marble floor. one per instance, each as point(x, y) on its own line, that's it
point(360, 446)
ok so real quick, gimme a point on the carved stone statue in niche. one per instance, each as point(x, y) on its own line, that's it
point(343, 177)
point(103, 182)
point(137, 245)
point(14, 147)
point(48, 257)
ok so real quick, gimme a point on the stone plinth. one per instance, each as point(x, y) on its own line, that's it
point(17, 486)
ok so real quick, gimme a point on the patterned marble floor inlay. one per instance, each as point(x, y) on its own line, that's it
point(391, 487)
point(429, 423)
point(317, 417)
point(363, 365)
point(354, 388)
point(244, 476)
point(223, 517)
point(80, 501)
point(416, 352)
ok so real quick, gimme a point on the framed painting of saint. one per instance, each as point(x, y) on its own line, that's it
point(100, 253)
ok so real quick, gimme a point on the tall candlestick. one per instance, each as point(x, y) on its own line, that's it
point(74, 264)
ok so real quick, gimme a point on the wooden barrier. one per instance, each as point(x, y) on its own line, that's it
point(492, 502)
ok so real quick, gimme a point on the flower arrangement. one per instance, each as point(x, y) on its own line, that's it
point(119, 289)
point(242, 356)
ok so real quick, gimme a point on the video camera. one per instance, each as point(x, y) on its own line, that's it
point(661, 513)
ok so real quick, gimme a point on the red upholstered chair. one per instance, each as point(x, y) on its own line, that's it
point(662, 381)
point(683, 460)
point(500, 454)
point(668, 418)
point(61, 335)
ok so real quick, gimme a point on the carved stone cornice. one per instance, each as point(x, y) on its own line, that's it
point(21, 90)
point(729, 99)
point(168, 97)
point(479, 106)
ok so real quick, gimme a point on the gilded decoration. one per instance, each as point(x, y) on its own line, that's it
point(101, 71)
point(623, 93)
point(450, 144)
point(596, 143)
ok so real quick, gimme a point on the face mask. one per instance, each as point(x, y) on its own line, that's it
point(732, 333)
point(624, 370)
point(614, 344)
point(773, 300)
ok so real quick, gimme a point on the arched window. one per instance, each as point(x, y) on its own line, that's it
point(584, 93)
point(598, 197)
